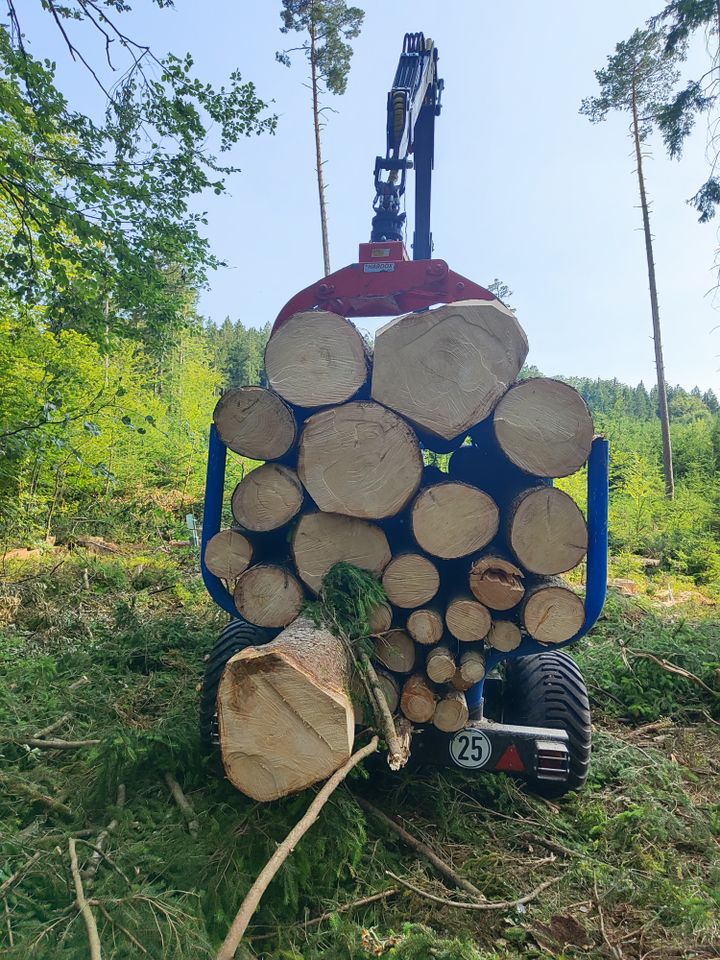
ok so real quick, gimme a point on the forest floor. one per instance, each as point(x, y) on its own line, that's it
point(110, 649)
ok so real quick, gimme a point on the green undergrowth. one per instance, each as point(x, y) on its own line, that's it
point(116, 646)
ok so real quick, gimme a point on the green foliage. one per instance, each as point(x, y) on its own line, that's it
point(329, 25)
point(347, 599)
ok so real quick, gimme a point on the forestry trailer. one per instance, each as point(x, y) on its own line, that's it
point(428, 466)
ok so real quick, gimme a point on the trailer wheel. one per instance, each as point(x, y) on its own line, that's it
point(547, 690)
point(237, 635)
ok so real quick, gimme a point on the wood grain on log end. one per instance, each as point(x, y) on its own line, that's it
point(268, 595)
point(359, 459)
point(467, 619)
point(255, 423)
point(548, 533)
point(228, 554)
point(396, 651)
point(504, 636)
point(426, 626)
point(417, 700)
point(440, 664)
point(410, 580)
point(553, 614)
point(453, 519)
point(544, 426)
point(496, 582)
point(316, 359)
point(267, 498)
point(451, 713)
point(445, 369)
point(381, 618)
point(321, 540)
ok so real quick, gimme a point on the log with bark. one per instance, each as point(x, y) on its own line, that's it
point(364, 711)
point(547, 531)
point(445, 369)
point(426, 626)
point(410, 580)
point(228, 554)
point(267, 498)
point(496, 581)
point(451, 713)
point(268, 595)
point(285, 715)
point(255, 422)
point(320, 540)
point(359, 459)
point(452, 520)
point(395, 650)
point(316, 359)
point(418, 699)
point(467, 619)
point(552, 612)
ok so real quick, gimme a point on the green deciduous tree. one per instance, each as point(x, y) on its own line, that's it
point(328, 26)
point(638, 80)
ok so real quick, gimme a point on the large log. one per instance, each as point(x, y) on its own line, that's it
point(316, 359)
point(445, 369)
point(410, 580)
point(320, 540)
point(552, 612)
point(285, 715)
point(396, 651)
point(544, 426)
point(418, 699)
point(426, 626)
point(267, 498)
point(504, 635)
point(496, 582)
point(451, 713)
point(268, 595)
point(453, 519)
point(255, 422)
point(228, 554)
point(440, 664)
point(467, 619)
point(547, 531)
point(359, 459)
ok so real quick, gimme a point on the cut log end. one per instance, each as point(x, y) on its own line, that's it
point(504, 636)
point(316, 359)
point(467, 619)
point(380, 620)
point(268, 596)
point(472, 666)
point(255, 423)
point(451, 713)
point(548, 533)
point(440, 664)
point(410, 580)
point(553, 614)
point(418, 699)
point(425, 626)
point(364, 713)
point(453, 519)
point(321, 540)
point(395, 650)
point(267, 498)
point(228, 554)
point(496, 582)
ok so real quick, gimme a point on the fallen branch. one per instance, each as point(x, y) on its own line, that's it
point(102, 855)
point(115, 923)
point(58, 744)
point(614, 950)
point(19, 873)
point(419, 847)
point(398, 745)
point(552, 845)
point(83, 906)
point(254, 895)
point(184, 804)
point(98, 847)
point(52, 727)
point(673, 668)
point(649, 728)
point(486, 905)
point(344, 908)
point(30, 793)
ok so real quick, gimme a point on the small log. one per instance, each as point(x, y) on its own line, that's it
point(285, 715)
point(504, 636)
point(440, 664)
point(320, 540)
point(410, 580)
point(359, 459)
point(552, 612)
point(453, 519)
point(471, 666)
point(381, 618)
point(451, 713)
point(445, 369)
point(547, 531)
point(496, 582)
point(544, 427)
point(363, 710)
point(418, 699)
point(426, 626)
point(316, 359)
point(395, 650)
point(267, 498)
point(268, 595)
point(228, 554)
point(255, 423)
point(467, 619)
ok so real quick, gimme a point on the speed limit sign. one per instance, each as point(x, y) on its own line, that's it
point(470, 748)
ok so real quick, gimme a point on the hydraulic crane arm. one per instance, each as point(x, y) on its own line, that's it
point(413, 103)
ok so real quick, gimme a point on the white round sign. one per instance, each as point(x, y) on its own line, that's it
point(470, 748)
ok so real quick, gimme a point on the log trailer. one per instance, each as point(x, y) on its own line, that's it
point(529, 715)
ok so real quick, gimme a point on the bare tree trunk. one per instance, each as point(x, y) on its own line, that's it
point(318, 148)
point(654, 308)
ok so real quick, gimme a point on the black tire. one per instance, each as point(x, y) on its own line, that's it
point(547, 690)
point(237, 635)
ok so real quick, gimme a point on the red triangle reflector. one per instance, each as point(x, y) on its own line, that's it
point(510, 761)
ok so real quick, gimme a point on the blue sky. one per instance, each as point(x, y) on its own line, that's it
point(525, 188)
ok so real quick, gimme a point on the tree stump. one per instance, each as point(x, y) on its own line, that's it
point(504, 635)
point(426, 626)
point(359, 459)
point(440, 664)
point(445, 369)
point(228, 554)
point(418, 698)
point(410, 580)
point(321, 540)
point(467, 619)
point(547, 531)
point(451, 713)
point(396, 651)
point(268, 595)
point(544, 426)
point(285, 717)
point(267, 498)
point(496, 582)
point(316, 359)
point(552, 613)
point(453, 519)
point(255, 423)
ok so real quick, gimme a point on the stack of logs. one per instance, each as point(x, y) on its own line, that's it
point(469, 552)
